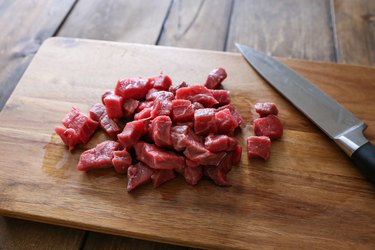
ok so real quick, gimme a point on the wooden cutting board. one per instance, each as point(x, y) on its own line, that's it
point(308, 195)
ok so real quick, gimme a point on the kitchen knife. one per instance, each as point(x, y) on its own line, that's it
point(331, 117)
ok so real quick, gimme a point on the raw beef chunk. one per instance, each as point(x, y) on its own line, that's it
point(144, 114)
point(225, 122)
point(98, 157)
point(204, 121)
point(138, 174)
point(182, 111)
point(161, 81)
point(98, 113)
point(154, 94)
point(162, 104)
point(216, 143)
point(219, 173)
point(215, 77)
point(121, 161)
point(197, 93)
point(195, 151)
point(113, 104)
point(233, 111)
point(161, 131)
point(105, 94)
point(236, 154)
point(143, 105)
point(156, 157)
point(221, 95)
point(269, 126)
point(175, 87)
point(135, 88)
point(197, 105)
point(129, 106)
point(132, 132)
point(183, 136)
point(78, 128)
point(162, 175)
point(259, 146)
point(193, 175)
point(266, 108)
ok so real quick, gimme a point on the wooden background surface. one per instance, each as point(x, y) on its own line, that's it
point(340, 31)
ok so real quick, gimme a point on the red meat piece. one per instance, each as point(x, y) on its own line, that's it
point(129, 106)
point(197, 93)
point(121, 161)
point(98, 113)
point(216, 143)
point(138, 174)
point(197, 105)
point(221, 95)
point(233, 111)
point(215, 77)
point(132, 132)
point(161, 176)
point(98, 157)
point(78, 128)
point(175, 87)
point(161, 131)
point(157, 158)
point(182, 110)
point(219, 173)
point(193, 175)
point(269, 126)
point(135, 88)
point(143, 105)
point(204, 121)
point(182, 136)
point(195, 151)
point(225, 122)
point(162, 104)
point(105, 94)
point(113, 104)
point(154, 94)
point(259, 146)
point(144, 114)
point(266, 108)
point(161, 81)
point(236, 154)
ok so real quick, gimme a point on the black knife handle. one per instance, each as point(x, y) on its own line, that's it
point(364, 158)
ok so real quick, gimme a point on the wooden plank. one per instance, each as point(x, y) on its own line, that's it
point(24, 26)
point(197, 24)
point(355, 25)
point(126, 21)
point(307, 203)
point(104, 241)
point(289, 28)
point(19, 234)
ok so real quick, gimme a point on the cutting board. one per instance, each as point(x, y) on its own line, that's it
point(308, 195)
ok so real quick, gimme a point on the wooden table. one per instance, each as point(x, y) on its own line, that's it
point(340, 31)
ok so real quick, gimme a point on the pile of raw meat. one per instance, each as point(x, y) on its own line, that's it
point(266, 128)
point(159, 130)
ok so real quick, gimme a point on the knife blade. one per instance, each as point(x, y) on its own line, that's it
point(331, 117)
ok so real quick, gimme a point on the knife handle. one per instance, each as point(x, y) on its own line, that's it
point(364, 158)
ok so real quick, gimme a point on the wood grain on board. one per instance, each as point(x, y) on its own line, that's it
point(355, 28)
point(308, 191)
point(126, 21)
point(199, 24)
